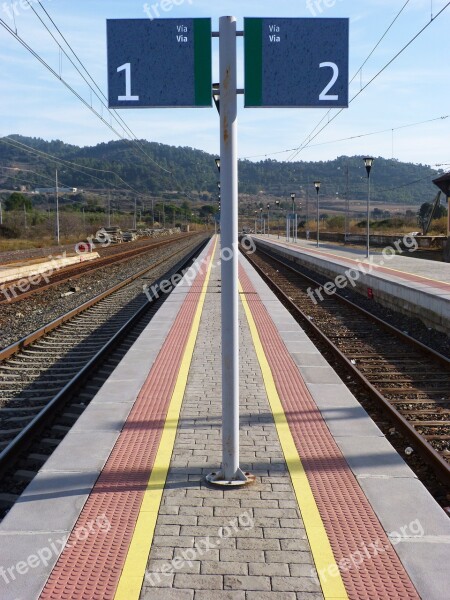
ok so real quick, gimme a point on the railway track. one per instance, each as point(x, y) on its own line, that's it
point(115, 256)
point(408, 380)
point(54, 372)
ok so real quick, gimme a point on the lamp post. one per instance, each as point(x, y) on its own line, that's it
point(256, 221)
point(261, 218)
point(292, 216)
point(368, 162)
point(268, 220)
point(57, 208)
point(277, 202)
point(317, 186)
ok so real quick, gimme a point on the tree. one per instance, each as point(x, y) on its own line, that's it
point(423, 216)
point(17, 201)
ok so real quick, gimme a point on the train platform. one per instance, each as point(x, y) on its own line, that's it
point(122, 510)
point(392, 276)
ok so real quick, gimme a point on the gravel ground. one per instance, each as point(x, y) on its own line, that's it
point(437, 340)
point(22, 318)
point(19, 255)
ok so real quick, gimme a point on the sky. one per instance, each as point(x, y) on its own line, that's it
point(415, 88)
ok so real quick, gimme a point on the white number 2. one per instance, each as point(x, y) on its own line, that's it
point(127, 68)
point(324, 95)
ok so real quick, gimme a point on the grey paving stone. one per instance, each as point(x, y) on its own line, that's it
point(198, 582)
point(164, 593)
point(242, 516)
point(210, 567)
point(269, 569)
point(248, 583)
point(295, 584)
point(219, 595)
point(271, 596)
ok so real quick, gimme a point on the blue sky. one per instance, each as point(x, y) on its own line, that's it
point(415, 88)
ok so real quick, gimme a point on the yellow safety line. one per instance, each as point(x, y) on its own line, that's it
point(315, 252)
point(327, 569)
point(130, 583)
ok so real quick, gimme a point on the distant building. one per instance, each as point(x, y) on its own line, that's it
point(52, 190)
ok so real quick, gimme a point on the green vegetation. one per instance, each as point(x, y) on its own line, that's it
point(192, 173)
point(18, 201)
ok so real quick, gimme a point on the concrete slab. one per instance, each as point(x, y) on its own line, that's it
point(376, 457)
point(107, 416)
point(427, 561)
point(36, 550)
point(118, 391)
point(398, 502)
point(83, 452)
point(52, 503)
point(322, 375)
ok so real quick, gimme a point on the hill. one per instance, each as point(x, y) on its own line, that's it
point(187, 170)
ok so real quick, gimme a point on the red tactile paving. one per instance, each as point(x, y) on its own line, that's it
point(441, 285)
point(90, 569)
point(350, 522)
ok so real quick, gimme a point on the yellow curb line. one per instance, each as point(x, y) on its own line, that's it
point(133, 573)
point(327, 569)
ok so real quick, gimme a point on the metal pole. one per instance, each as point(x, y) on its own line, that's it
point(368, 216)
point(318, 223)
point(1, 213)
point(268, 221)
point(57, 208)
point(347, 207)
point(230, 473)
point(109, 208)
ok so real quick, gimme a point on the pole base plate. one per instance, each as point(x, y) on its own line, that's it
point(240, 479)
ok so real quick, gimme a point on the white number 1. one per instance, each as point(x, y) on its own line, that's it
point(127, 68)
point(325, 95)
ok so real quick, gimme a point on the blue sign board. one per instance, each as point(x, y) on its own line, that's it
point(159, 63)
point(296, 62)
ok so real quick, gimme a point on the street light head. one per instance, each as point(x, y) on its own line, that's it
point(317, 185)
point(277, 202)
point(368, 162)
point(292, 197)
point(268, 206)
point(217, 161)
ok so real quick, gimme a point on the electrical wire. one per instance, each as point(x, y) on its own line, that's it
point(70, 164)
point(411, 41)
point(133, 141)
point(354, 137)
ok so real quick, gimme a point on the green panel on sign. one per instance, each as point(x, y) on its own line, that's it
point(203, 62)
point(253, 39)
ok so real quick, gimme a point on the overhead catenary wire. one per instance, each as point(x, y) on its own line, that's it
point(133, 141)
point(387, 65)
point(354, 137)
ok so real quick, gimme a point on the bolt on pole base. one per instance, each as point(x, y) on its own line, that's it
point(240, 479)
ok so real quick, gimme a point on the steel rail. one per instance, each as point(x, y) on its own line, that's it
point(24, 439)
point(428, 453)
point(79, 270)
